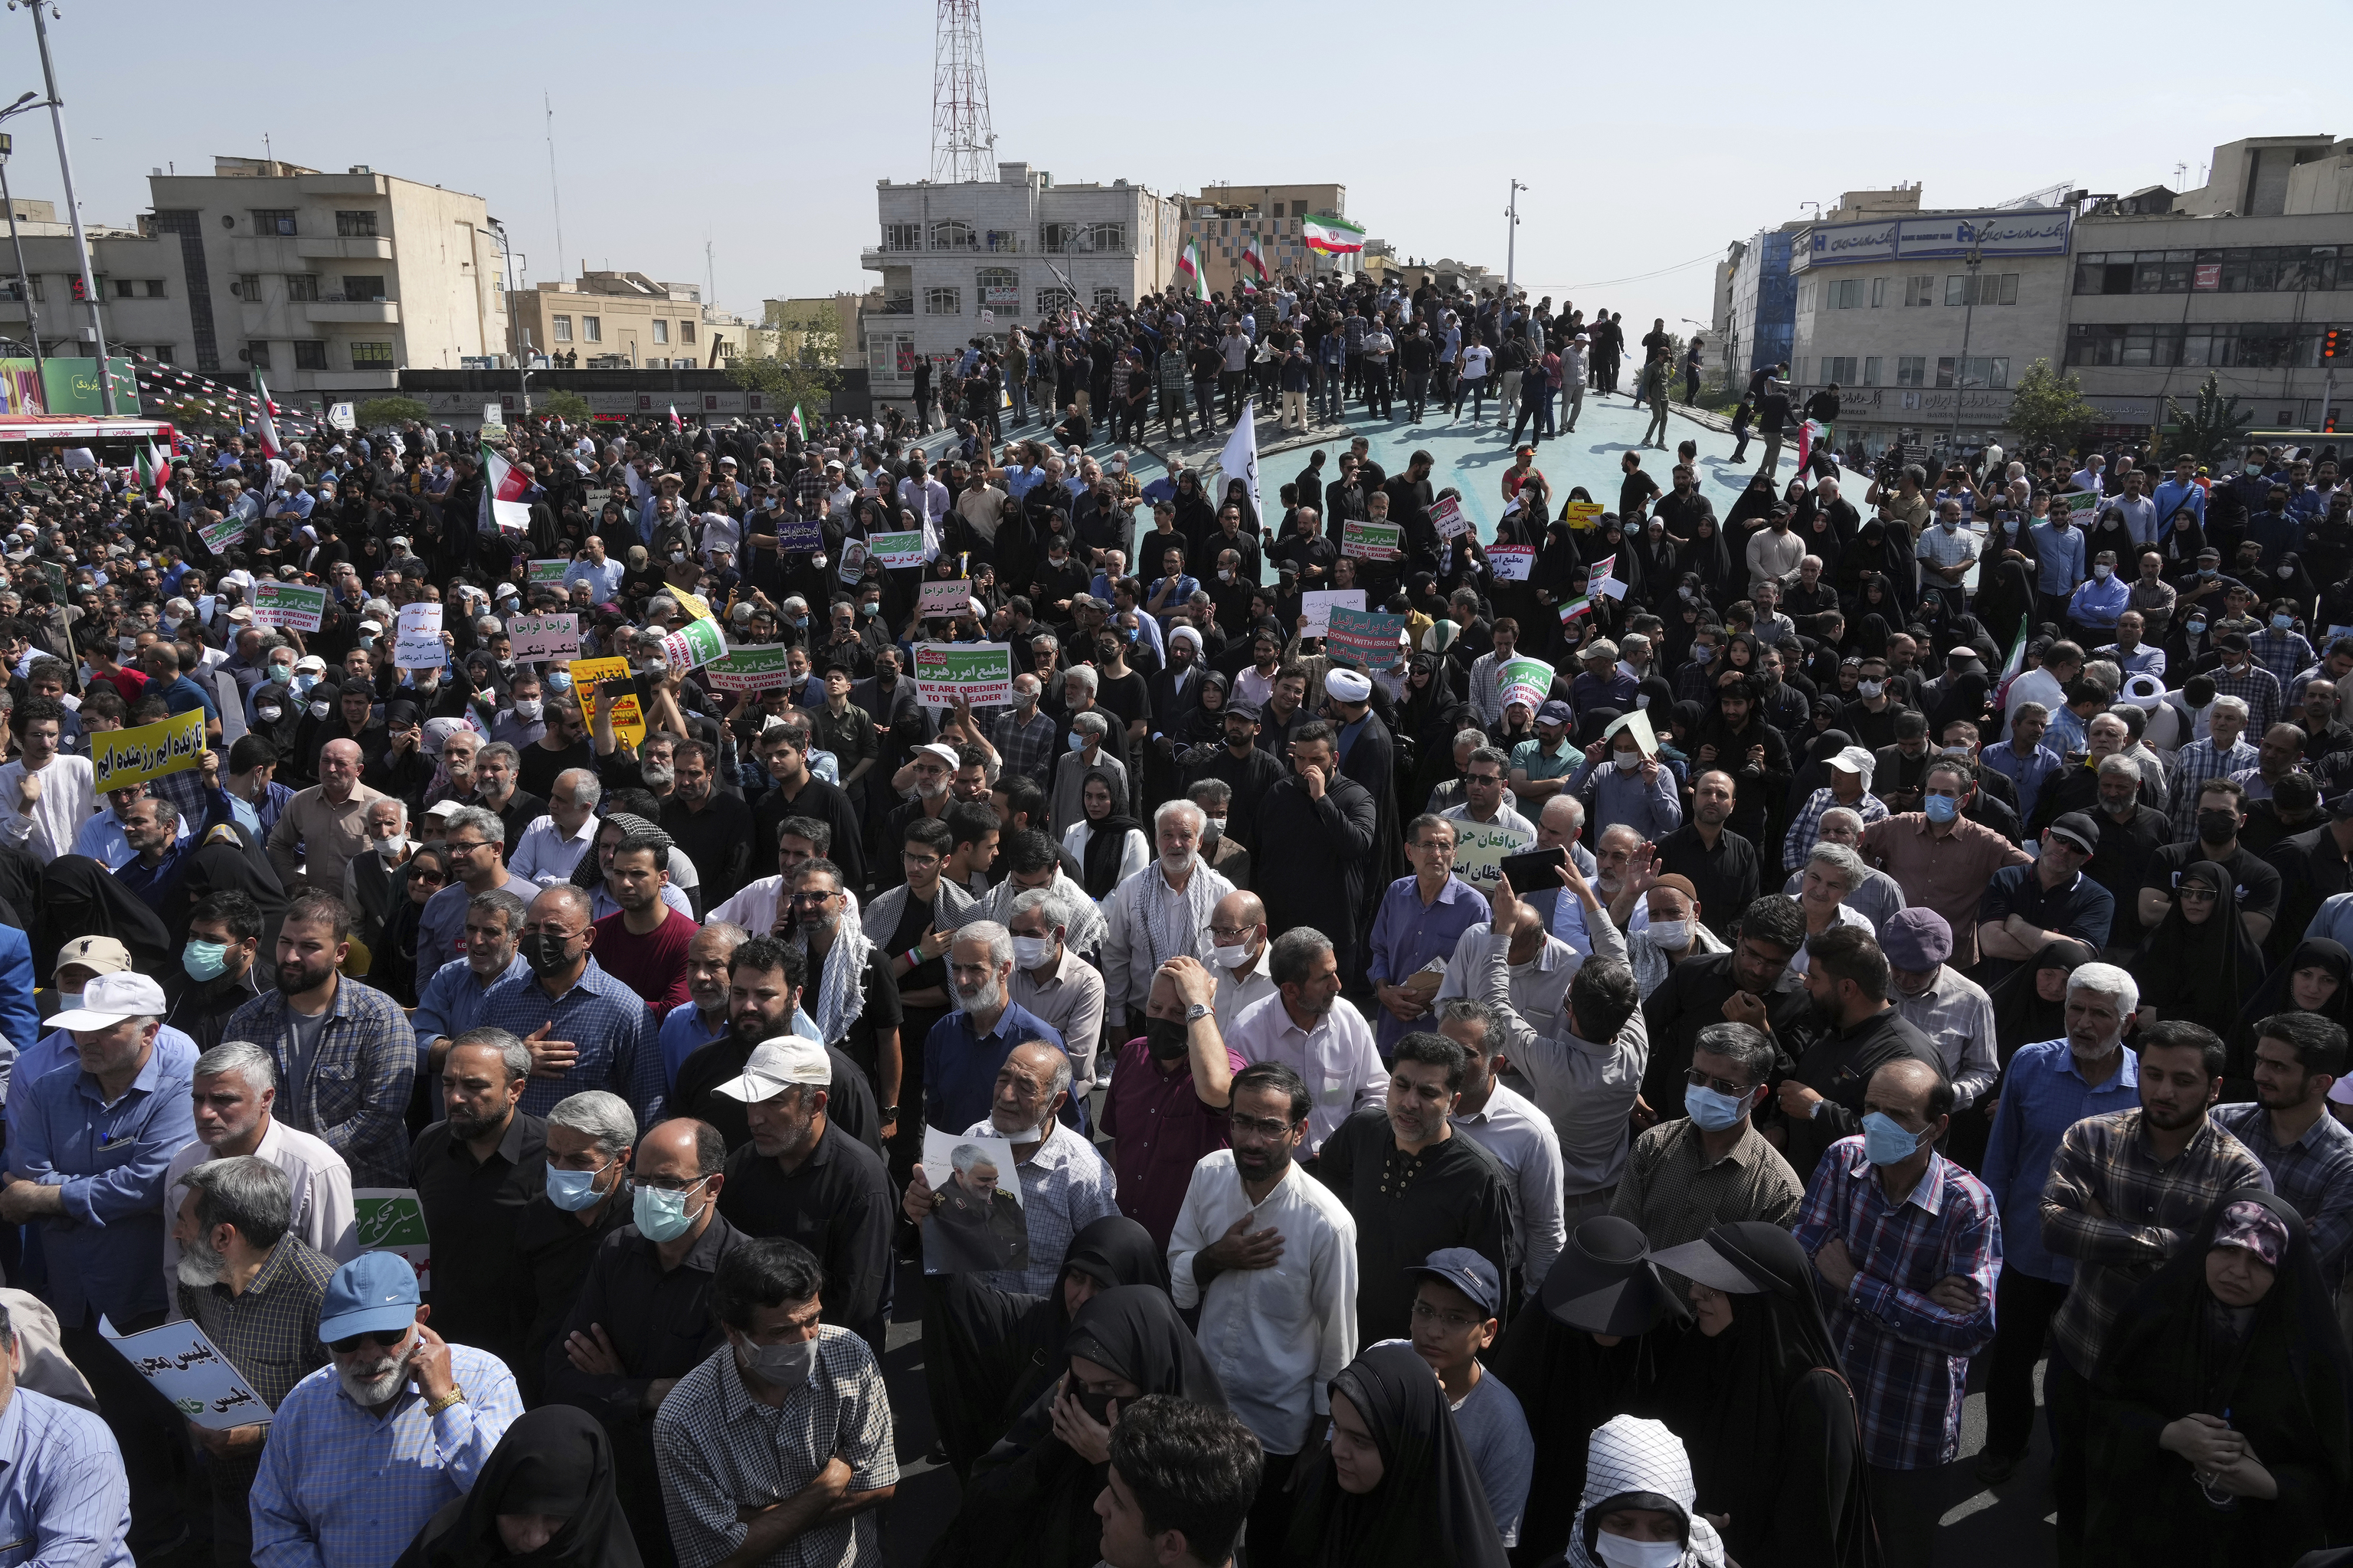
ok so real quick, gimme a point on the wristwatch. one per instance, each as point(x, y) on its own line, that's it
point(456, 1395)
point(1196, 1012)
point(889, 1113)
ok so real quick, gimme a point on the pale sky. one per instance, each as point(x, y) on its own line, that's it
point(1649, 136)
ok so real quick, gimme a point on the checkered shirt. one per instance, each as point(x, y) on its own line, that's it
point(717, 1449)
point(2192, 766)
point(606, 1022)
point(2315, 1173)
point(1065, 1187)
point(1027, 749)
point(2257, 687)
point(1906, 1356)
point(2281, 653)
point(1808, 828)
point(270, 1332)
point(1939, 549)
point(809, 486)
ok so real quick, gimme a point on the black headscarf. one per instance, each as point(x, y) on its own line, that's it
point(79, 897)
point(1107, 839)
point(2021, 1015)
point(2200, 972)
point(2276, 995)
point(553, 1460)
point(1964, 697)
point(1429, 1509)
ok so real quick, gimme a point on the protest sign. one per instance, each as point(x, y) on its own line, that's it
point(853, 561)
point(592, 502)
point(289, 604)
point(340, 415)
point(1316, 605)
point(1603, 578)
point(121, 757)
point(794, 536)
point(980, 1225)
point(544, 636)
point(1510, 562)
point(760, 669)
point(980, 673)
point(945, 600)
point(391, 1219)
point(1446, 513)
point(697, 645)
point(897, 551)
point(189, 1371)
point(1527, 681)
point(548, 572)
point(1368, 640)
point(231, 697)
point(1479, 851)
point(695, 604)
point(1371, 541)
point(418, 645)
point(1582, 515)
point(218, 537)
point(629, 717)
point(2083, 505)
point(1637, 724)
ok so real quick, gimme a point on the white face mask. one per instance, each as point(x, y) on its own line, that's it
point(1871, 689)
point(1233, 957)
point(1672, 935)
point(1619, 1552)
point(1028, 952)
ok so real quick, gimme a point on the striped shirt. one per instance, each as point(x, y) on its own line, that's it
point(1065, 1187)
point(2193, 765)
point(63, 1495)
point(719, 1449)
point(607, 1023)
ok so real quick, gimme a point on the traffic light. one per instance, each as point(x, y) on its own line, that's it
point(2332, 343)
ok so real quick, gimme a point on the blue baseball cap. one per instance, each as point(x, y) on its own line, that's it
point(1468, 1272)
point(372, 1294)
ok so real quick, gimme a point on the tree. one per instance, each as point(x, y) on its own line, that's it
point(2216, 425)
point(569, 407)
point(799, 373)
point(378, 413)
point(2048, 410)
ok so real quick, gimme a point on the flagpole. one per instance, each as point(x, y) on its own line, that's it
point(73, 210)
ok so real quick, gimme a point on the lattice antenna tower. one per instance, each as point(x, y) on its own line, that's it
point(964, 146)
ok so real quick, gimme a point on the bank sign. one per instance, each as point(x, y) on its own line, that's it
point(2033, 232)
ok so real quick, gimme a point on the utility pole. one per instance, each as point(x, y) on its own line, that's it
point(1511, 246)
point(24, 279)
point(554, 192)
point(523, 358)
point(1973, 261)
point(73, 207)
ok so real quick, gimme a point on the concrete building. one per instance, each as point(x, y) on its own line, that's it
point(1223, 219)
point(982, 257)
point(787, 325)
point(608, 320)
point(142, 286)
point(1754, 314)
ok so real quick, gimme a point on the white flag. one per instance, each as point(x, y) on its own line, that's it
point(1239, 459)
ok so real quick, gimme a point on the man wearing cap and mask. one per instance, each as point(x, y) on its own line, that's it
point(1850, 786)
point(1935, 998)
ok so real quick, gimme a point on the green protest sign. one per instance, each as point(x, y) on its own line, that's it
point(980, 673)
point(760, 669)
point(1368, 640)
point(289, 604)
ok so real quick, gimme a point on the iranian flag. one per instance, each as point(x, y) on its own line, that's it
point(675, 422)
point(1581, 605)
point(503, 510)
point(154, 469)
point(795, 425)
point(265, 429)
point(1189, 275)
point(1254, 258)
point(1334, 236)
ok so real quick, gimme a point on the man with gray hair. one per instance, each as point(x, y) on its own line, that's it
point(475, 840)
point(1159, 912)
point(449, 1000)
point(551, 847)
point(254, 1286)
point(586, 1199)
point(1878, 894)
point(1049, 979)
point(965, 1050)
point(235, 1091)
point(475, 1171)
point(1099, 747)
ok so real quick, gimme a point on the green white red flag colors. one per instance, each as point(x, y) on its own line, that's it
point(1189, 275)
point(1333, 236)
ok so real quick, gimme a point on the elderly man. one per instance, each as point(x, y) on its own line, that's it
point(234, 1091)
point(323, 826)
point(255, 1287)
point(392, 1386)
point(106, 837)
point(1940, 859)
point(475, 841)
point(1159, 912)
point(1877, 895)
point(584, 1028)
point(1170, 1094)
point(590, 1136)
point(1947, 1006)
point(450, 1001)
point(703, 1017)
point(374, 881)
point(1419, 921)
point(1850, 786)
point(1052, 981)
point(965, 1050)
point(551, 847)
point(2026, 907)
point(1239, 955)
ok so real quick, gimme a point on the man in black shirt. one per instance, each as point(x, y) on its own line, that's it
point(763, 987)
point(1720, 865)
point(2222, 813)
point(712, 828)
point(784, 752)
point(1846, 982)
point(563, 745)
point(590, 1136)
point(475, 1171)
point(2130, 835)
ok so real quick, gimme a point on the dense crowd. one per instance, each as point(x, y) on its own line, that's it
point(1586, 1083)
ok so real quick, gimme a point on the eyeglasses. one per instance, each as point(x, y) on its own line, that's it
point(381, 1340)
point(2197, 896)
point(1231, 933)
point(1259, 1126)
point(807, 898)
point(1699, 1080)
point(1452, 1322)
point(429, 878)
point(671, 1183)
point(1484, 780)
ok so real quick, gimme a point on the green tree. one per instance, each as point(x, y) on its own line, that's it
point(2048, 410)
point(378, 412)
point(569, 407)
point(800, 374)
point(2210, 429)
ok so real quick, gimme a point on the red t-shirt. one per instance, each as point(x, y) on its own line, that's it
point(129, 682)
point(653, 965)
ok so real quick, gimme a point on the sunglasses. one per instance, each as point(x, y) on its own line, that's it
point(383, 1341)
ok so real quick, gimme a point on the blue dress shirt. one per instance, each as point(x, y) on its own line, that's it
point(2043, 1095)
point(63, 1495)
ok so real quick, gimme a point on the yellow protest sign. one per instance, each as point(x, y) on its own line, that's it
point(628, 719)
point(695, 604)
point(121, 757)
point(1582, 515)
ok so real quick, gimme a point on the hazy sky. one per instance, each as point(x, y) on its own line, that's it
point(1649, 135)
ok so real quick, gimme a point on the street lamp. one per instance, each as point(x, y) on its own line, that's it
point(24, 279)
point(57, 108)
point(497, 231)
point(1972, 261)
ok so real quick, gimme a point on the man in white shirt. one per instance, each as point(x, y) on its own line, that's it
point(45, 795)
point(554, 842)
point(1506, 1125)
point(1301, 1026)
point(1269, 1255)
point(1239, 955)
point(234, 1087)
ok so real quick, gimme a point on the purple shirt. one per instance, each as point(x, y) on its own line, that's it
point(1160, 1129)
point(1408, 934)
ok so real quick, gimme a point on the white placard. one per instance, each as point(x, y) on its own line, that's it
point(189, 1370)
point(544, 636)
point(418, 646)
point(1316, 605)
point(232, 706)
point(1510, 563)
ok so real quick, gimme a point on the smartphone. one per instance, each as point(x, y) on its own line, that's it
point(1535, 870)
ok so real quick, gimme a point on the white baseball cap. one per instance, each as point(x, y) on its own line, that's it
point(107, 999)
point(1854, 759)
point(777, 1066)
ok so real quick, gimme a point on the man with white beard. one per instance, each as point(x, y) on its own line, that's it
point(391, 1385)
point(1065, 1185)
point(255, 1287)
point(965, 1050)
point(2046, 1089)
point(1158, 913)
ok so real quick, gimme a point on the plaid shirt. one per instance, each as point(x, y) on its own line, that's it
point(1696, 682)
point(269, 1334)
point(1065, 1187)
point(2192, 766)
point(2256, 686)
point(809, 486)
point(1906, 1356)
point(2281, 653)
point(2315, 1173)
point(1808, 828)
point(609, 1023)
point(2151, 1209)
point(1027, 748)
point(356, 1095)
point(719, 1449)
point(1939, 549)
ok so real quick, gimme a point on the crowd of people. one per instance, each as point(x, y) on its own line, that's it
point(1856, 1009)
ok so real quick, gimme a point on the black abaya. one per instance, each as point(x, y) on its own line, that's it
point(553, 1460)
point(1429, 1510)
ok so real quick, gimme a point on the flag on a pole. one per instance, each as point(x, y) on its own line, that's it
point(1581, 605)
point(503, 486)
point(2016, 660)
point(1189, 275)
point(154, 469)
point(265, 429)
point(1333, 236)
point(1244, 286)
point(675, 422)
point(1254, 258)
point(795, 425)
point(1239, 459)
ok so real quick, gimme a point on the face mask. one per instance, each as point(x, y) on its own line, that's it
point(1619, 1552)
point(321, 710)
point(1097, 1407)
point(1887, 1143)
point(870, 609)
point(2218, 827)
point(571, 1191)
point(1028, 952)
point(818, 561)
point(1078, 742)
point(1941, 809)
point(1165, 1038)
point(2282, 622)
point(781, 1366)
point(559, 680)
point(390, 848)
point(1671, 934)
point(659, 1216)
point(2100, 572)
point(2197, 628)
point(1626, 761)
point(204, 960)
point(1948, 523)
point(1870, 689)
point(269, 715)
point(1710, 1110)
point(543, 951)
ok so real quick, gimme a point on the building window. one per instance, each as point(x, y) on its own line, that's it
point(1050, 301)
point(943, 302)
point(367, 355)
point(1000, 290)
point(592, 329)
point(1846, 294)
point(163, 353)
point(903, 236)
point(364, 286)
point(562, 328)
point(686, 332)
point(661, 329)
point(1878, 292)
point(123, 287)
point(356, 224)
point(1839, 368)
point(1985, 289)
point(301, 285)
point(255, 354)
point(1870, 369)
point(953, 234)
point(1105, 298)
point(1919, 291)
point(246, 286)
point(310, 354)
point(1910, 369)
point(273, 220)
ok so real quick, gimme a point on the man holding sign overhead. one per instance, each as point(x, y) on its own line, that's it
point(1622, 782)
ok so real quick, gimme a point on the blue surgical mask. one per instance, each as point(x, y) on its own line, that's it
point(1887, 1141)
point(2282, 622)
point(1711, 1110)
point(1941, 808)
point(2197, 628)
point(870, 609)
point(1078, 742)
point(573, 1190)
point(559, 680)
point(204, 960)
point(660, 1216)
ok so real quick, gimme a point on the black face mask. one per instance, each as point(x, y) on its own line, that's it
point(1165, 1038)
point(2218, 827)
point(1097, 1407)
point(543, 951)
